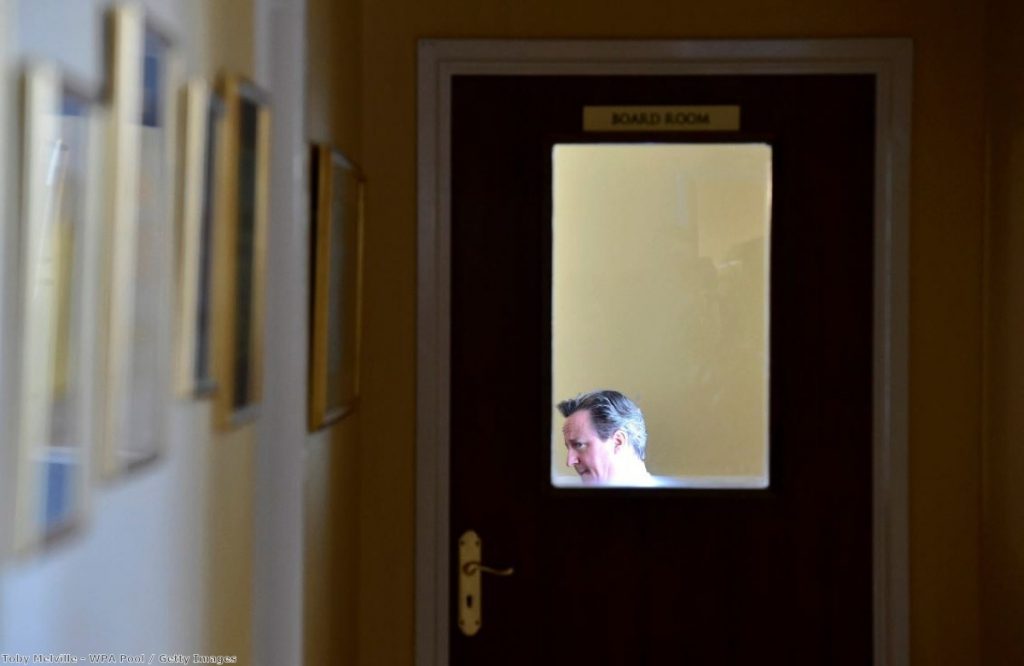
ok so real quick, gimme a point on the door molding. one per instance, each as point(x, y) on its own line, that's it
point(890, 60)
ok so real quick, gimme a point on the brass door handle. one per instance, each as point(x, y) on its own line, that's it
point(470, 569)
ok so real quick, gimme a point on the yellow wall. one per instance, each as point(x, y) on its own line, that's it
point(945, 257)
point(164, 559)
point(330, 590)
point(659, 291)
point(1003, 502)
point(333, 74)
point(651, 245)
point(230, 46)
point(230, 481)
point(331, 481)
point(229, 543)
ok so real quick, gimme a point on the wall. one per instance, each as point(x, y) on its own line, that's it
point(947, 167)
point(331, 496)
point(165, 561)
point(147, 534)
point(279, 61)
point(680, 327)
point(7, 210)
point(1003, 502)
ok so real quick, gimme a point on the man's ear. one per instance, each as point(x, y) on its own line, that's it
point(619, 439)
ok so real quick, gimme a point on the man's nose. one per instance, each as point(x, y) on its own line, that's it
point(571, 458)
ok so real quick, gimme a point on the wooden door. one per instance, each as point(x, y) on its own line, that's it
point(665, 576)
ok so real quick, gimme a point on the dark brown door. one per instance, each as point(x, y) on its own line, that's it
point(664, 576)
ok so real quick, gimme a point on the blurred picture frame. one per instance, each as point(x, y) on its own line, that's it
point(337, 214)
point(199, 206)
point(58, 244)
point(143, 75)
point(240, 251)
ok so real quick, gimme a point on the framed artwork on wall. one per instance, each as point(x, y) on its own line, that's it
point(57, 291)
point(337, 211)
point(202, 122)
point(143, 76)
point(240, 250)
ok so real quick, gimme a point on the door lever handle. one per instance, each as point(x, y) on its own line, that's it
point(470, 569)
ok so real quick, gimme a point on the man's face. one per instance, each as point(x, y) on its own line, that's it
point(593, 458)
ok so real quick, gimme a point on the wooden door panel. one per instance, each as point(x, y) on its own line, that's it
point(666, 576)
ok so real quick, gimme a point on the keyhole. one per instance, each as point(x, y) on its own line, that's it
point(469, 601)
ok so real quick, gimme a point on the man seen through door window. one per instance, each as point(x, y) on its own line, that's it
point(605, 439)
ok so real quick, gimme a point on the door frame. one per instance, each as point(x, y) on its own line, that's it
point(890, 60)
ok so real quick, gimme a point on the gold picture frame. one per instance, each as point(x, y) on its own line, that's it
point(240, 245)
point(57, 289)
point(138, 237)
point(201, 127)
point(335, 317)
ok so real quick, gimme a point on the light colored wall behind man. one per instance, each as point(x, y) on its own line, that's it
point(660, 291)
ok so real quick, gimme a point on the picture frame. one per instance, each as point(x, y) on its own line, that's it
point(137, 283)
point(202, 122)
point(240, 242)
point(57, 290)
point(336, 290)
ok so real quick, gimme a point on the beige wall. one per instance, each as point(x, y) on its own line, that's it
point(232, 454)
point(1003, 455)
point(229, 44)
point(164, 558)
point(334, 52)
point(660, 291)
point(945, 302)
point(229, 543)
point(331, 590)
point(332, 483)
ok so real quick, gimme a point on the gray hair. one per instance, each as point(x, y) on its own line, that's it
point(611, 411)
